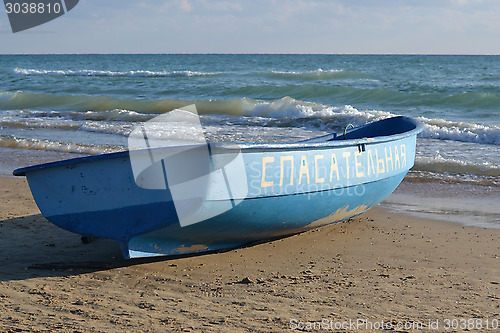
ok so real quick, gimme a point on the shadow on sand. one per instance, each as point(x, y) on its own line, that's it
point(33, 247)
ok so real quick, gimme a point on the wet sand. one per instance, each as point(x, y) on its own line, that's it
point(381, 266)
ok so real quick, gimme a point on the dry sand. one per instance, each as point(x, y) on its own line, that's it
point(378, 267)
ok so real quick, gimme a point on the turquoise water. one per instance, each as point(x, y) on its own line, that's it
point(89, 103)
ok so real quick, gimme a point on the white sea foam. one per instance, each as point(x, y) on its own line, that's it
point(68, 147)
point(460, 131)
point(113, 115)
point(288, 107)
point(314, 72)
point(321, 74)
point(91, 72)
point(284, 112)
point(441, 129)
point(450, 165)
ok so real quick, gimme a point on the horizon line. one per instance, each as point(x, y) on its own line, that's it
point(223, 53)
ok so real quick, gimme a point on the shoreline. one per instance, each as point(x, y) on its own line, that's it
point(380, 266)
point(461, 203)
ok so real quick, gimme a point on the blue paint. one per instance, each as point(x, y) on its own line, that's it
point(291, 188)
point(263, 218)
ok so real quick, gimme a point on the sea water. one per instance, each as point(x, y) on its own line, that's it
point(90, 103)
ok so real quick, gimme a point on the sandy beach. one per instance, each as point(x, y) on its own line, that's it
point(382, 270)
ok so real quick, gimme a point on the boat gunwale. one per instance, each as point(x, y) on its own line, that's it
point(254, 147)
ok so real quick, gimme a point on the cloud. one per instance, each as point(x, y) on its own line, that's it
point(465, 2)
point(185, 6)
point(296, 26)
point(222, 6)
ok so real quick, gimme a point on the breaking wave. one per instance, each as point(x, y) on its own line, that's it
point(91, 72)
point(320, 74)
point(460, 131)
point(449, 165)
point(284, 112)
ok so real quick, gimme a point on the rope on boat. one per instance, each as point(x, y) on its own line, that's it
point(346, 128)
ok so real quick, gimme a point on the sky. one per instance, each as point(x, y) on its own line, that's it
point(265, 26)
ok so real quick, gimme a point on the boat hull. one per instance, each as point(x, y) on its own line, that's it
point(262, 219)
point(267, 191)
